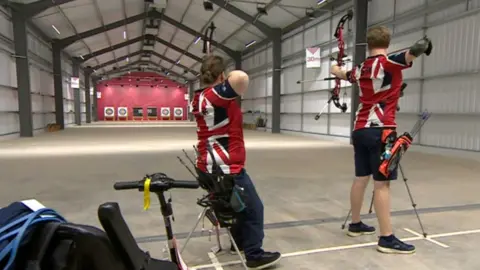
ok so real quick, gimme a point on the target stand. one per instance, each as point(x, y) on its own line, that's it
point(109, 114)
point(178, 113)
point(137, 113)
point(165, 113)
point(122, 114)
point(152, 114)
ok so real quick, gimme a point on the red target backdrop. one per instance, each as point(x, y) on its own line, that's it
point(123, 92)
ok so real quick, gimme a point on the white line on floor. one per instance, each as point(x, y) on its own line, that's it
point(215, 262)
point(346, 247)
point(427, 239)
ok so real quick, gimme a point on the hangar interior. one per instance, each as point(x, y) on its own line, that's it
point(55, 55)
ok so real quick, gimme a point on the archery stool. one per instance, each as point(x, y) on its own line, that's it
point(217, 208)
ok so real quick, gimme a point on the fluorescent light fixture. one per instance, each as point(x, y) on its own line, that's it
point(250, 43)
point(56, 30)
point(128, 59)
point(167, 73)
point(178, 62)
point(319, 2)
point(197, 40)
point(94, 70)
point(124, 34)
point(81, 56)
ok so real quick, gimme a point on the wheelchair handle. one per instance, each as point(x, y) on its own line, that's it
point(157, 185)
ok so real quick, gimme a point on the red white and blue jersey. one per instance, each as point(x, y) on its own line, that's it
point(219, 128)
point(380, 79)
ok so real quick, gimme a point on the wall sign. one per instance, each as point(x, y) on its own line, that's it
point(99, 95)
point(312, 58)
point(75, 82)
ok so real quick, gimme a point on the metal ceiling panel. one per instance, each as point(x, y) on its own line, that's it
point(97, 42)
point(236, 44)
point(133, 7)
point(254, 31)
point(135, 47)
point(116, 35)
point(197, 16)
point(196, 49)
point(176, 8)
point(182, 39)
point(187, 61)
point(249, 8)
point(111, 11)
point(245, 36)
point(45, 24)
point(160, 48)
point(83, 17)
point(172, 54)
point(277, 17)
point(77, 49)
point(231, 21)
point(178, 70)
point(134, 29)
point(166, 31)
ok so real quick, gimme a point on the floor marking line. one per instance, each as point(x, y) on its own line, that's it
point(215, 261)
point(345, 247)
point(426, 239)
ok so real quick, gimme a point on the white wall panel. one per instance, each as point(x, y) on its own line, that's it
point(291, 122)
point(340, 124)
point(291, 104)
point(380, 10)
point(289, 78)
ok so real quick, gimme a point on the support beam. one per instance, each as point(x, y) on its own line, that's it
point(191, 92)
point(140, 62)
point(138, 39)
point(35, 8)
point(76, 94)
point(360, 51)
point(276, 81)
point(88, 104)
point(112, 48)
point(114, 61)
point(23, 74)
point(193, 32)
point(65, 42)
point(95, 81)
point(58, 85)
point(266, 29)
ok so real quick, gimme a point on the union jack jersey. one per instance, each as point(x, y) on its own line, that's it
point(219, 129)
point(380, 79)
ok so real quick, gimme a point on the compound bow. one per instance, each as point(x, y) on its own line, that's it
point(340, 59)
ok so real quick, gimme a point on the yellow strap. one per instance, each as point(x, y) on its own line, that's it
point(146, 194)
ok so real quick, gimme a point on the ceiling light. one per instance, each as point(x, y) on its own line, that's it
point(178, 62)
point(81, 56)
point(207, 5)
point(94, 71)
point(56, 30)
point(262, 9)
point(124, 34)
point(319, 2)
point(128, 59)
point(250, 43)
point(197, 40)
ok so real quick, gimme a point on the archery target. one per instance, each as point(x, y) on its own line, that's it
point(109, 112)
point(178, 112)
point(122, 111)
point(165, 112)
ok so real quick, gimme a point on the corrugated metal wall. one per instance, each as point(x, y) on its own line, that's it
point(41, 80)
point(446, 83)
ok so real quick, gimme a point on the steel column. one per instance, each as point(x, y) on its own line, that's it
point(23, 74)
point(88, 103)
point(360, 51)
point(76, 94)
point(276, 80)
point(95, 100)
point(58, 85)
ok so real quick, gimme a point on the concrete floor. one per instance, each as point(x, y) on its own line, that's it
point(304, 183)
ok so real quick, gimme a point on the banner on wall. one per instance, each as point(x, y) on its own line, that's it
point(109, 112)
point(178, 111)
point(165, 111)
point(99, 95)
point(152, 112)
point(74, 82)
point(312, 57)
point(137, 111)
point(187, 97)
point(122, 111)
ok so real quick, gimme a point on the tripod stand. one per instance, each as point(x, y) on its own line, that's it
point(396, 163)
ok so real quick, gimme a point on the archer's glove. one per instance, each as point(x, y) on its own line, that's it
point(423, 46)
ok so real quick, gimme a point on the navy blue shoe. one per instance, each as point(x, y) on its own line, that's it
point(393, 245)
point(360, 228)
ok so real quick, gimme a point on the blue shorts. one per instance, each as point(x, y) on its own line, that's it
point(368, 148)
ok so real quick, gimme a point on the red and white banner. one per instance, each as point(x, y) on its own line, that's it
point(312, 58)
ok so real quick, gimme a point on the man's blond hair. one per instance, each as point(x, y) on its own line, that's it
point(378, 37)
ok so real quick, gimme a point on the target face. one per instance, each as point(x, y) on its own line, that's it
point(109, 111)
point(178, 112)
point(122, 111)
point(165, 112)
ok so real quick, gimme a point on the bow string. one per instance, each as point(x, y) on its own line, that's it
point(207, 39)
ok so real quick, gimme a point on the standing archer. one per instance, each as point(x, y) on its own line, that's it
point(379, 78)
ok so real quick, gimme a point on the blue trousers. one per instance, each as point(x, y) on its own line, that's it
point(248, 232)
